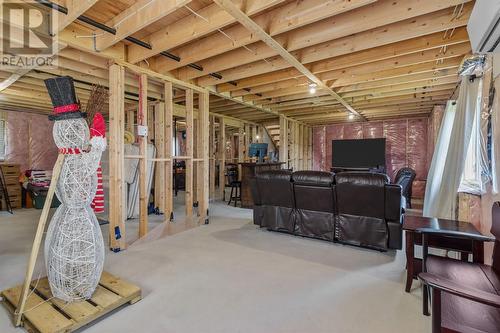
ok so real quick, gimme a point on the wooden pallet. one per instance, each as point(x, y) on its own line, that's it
point(53, 316)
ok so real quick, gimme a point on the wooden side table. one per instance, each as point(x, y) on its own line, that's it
point(412, 226)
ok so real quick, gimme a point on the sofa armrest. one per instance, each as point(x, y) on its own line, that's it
point(454, 288)
point(393, 202)
point(456, 234)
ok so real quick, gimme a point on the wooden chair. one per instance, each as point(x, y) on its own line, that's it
point(232, 176)
point(465, 296)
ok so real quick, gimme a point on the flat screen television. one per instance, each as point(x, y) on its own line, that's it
point(358, 153)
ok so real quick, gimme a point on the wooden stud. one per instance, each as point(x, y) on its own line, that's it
point(222, 155)
point(247, 140)
point(241, 144)
point(296, 149)
point(131, 121)
point(142, 118)
point(189, 153)
point(117, 197)
point(283, 150)
point(168, 149)
point(213, 156)
point(204, 124)
point(159, 135)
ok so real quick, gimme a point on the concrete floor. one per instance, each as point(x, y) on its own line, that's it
point(231, 276)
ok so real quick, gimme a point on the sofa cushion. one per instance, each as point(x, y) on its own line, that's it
point(362, 231)
point(361, 193)
point(275, 188)
point(315, 224)
point(362, 178)
point(313, 178)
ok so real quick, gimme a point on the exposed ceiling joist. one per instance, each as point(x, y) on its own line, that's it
point(406, 30)
point(192, 27)
point(246, 21)
point(75, 9)
point(136, 17)
point(279, 20)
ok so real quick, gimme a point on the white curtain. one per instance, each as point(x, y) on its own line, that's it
point(448, 161)
point(495, 140)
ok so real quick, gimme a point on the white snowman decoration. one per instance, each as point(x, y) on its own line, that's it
point(74, 247)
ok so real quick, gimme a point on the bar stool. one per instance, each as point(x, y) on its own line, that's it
point(235, 184)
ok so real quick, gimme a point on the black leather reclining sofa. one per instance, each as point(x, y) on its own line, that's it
point(357, 208)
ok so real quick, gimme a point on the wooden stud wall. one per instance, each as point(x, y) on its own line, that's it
point(189, 152)
point(142, 118)
point(222, 155)
point(213, 156)
point(168, 151)
point(116, 158)
point(295, 144)
point(204, 133)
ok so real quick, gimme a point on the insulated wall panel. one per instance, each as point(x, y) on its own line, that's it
point(407, 145)
point(319, 157)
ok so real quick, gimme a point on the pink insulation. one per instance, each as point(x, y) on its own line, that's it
point(29, 141)
point(353, 131)
point(43, 150)
point(333, 132)
point(416, 145)
point(319, 148)
point(17, 145)
point(407, 145)
point(395, 133)
point(373, 130)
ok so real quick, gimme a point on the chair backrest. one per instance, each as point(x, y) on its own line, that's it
point(361, 193)
point(232, 174)
point(405, 178)
point(275, 188)
point(314, 190)
point(495, 230)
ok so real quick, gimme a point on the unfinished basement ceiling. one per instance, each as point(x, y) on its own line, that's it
point(385, 58)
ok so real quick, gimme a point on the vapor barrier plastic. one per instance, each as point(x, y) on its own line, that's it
point(29, 141)
point(319, 148)
point(395, 149)
point(407, 145)
point(43, 150)
point(17, 145)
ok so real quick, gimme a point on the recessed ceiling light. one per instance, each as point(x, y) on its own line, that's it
point(312, 88)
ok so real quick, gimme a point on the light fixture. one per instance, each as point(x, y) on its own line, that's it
point(312, 88)
point(351, 116)
point(257, 137)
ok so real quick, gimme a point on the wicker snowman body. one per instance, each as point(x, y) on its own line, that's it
point(74, 247)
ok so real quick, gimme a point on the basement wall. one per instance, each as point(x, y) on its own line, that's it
point(29, 141)
point(406, 145)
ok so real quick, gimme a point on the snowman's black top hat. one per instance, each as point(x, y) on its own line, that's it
point(63, 96)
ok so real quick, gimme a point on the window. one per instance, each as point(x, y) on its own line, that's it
point(476, 171)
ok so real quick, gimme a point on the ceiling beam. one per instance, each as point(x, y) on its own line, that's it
point(209, 19)
point(246, 21)
point(413, 28)
point(136, 17)
point(279, 20)
point(75, 9)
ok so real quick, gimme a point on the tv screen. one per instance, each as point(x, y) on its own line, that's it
point(358, 153)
